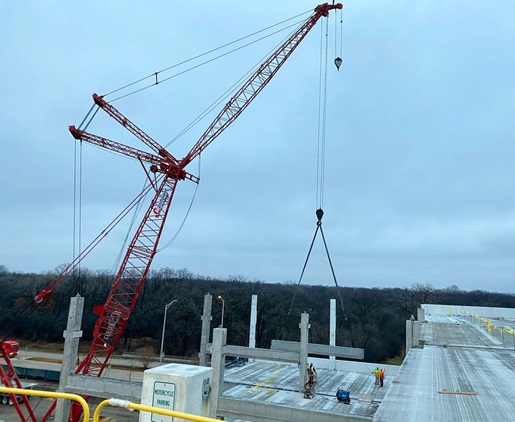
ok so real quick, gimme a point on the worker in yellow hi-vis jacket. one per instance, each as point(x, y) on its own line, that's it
point(376, 375)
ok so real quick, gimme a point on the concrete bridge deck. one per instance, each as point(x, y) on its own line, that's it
point(277, 383)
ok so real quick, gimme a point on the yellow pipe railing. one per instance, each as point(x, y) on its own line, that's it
point(112, 402)
point(134, 406)
point(50, 394)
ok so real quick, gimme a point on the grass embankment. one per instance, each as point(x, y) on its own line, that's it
point(397, 360)
point(141, 356)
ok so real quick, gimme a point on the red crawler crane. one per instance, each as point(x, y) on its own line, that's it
point(166, 172)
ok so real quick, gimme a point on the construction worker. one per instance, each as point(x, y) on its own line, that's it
point(312, 374)
point(309, 386)
point(312, 369)
point(381, 377)
point(376, 376)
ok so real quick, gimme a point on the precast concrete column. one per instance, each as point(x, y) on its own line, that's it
point(412, 334)
point(416, 334)
point(71, 335)
point(421, 315)
point(206, 328)
point(253, 319)
point(332, 331)
point(218, 365)
point(303, 357)
point(409, 337)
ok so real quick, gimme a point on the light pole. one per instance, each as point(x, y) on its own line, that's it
point(163, 335)
point(223, 306)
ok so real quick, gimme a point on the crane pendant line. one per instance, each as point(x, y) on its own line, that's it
point(319, 214)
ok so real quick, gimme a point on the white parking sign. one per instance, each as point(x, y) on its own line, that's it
point(164, 398)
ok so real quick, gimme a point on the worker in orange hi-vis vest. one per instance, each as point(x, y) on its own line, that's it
point(381, 377)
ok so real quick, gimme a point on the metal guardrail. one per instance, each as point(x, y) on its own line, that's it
point(112, 402)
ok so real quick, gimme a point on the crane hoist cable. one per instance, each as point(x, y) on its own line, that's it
point(338, 60)
point(77, 197)
point(77, 187)
point(322, 124)
point(322, 120)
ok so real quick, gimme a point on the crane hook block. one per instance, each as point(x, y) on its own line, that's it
point(338, 62)
point(319, 214)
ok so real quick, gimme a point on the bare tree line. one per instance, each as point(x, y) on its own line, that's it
point(372, 318)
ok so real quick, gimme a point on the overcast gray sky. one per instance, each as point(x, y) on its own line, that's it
point(420, 139)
